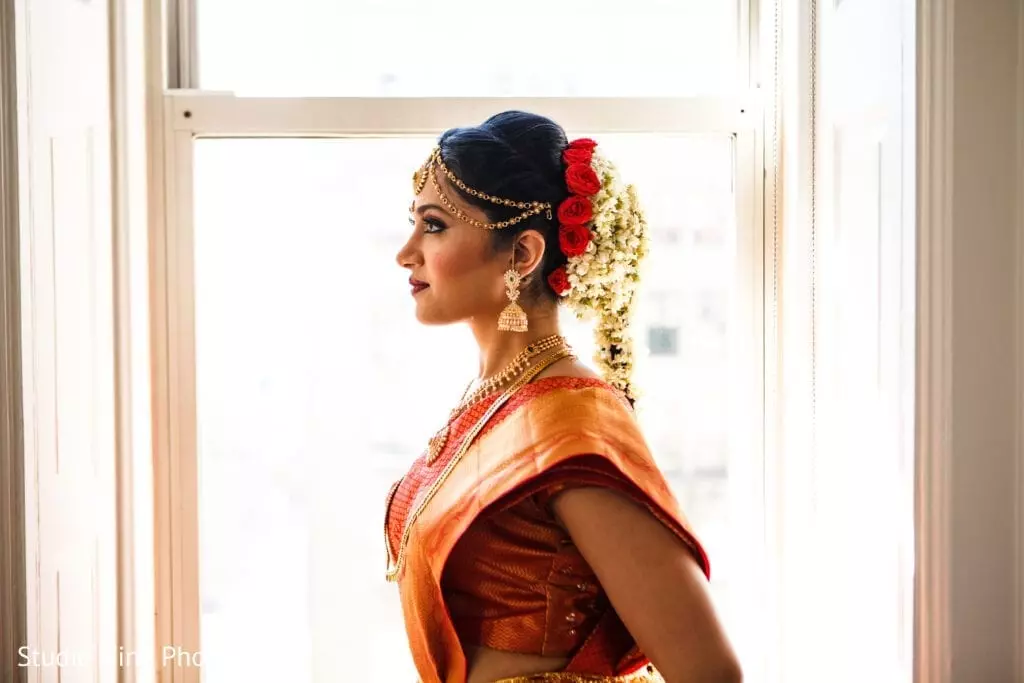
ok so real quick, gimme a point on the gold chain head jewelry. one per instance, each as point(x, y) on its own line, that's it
point(513, 318)
point(429, 172)
point(419, 178)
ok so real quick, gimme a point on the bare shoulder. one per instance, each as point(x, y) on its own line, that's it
point(568, 367)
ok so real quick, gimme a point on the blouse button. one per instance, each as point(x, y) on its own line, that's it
point(582, 587)
point(571, 617)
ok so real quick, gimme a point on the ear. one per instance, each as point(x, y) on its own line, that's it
point(528, 251)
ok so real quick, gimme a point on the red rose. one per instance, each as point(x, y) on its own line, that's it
point(574, 239)
point(581, 179)
point(559, 281)
point(583, 143)
point(577, 155)
point(575, 210)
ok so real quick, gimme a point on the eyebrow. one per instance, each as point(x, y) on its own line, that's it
point(426, 207)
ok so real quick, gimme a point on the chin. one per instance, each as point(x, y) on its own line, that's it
point(430, 318)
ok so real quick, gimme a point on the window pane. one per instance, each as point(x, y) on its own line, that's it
point(317, 387)
point(443, 48)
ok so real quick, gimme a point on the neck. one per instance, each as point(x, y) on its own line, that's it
point(497, 348)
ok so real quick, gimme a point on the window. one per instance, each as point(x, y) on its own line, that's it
point(316, 386)
point(662, 341)
point(460, 48)
point(305, 385)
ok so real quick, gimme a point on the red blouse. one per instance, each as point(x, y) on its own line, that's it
point(515, 581)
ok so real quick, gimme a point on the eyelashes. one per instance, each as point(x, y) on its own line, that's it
point(432, 225)
point(435, 223)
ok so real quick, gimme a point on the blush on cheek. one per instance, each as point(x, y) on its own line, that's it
point(461, 272)
point(458, 261)
point(445, 266)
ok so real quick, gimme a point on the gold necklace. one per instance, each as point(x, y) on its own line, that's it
point(488, 386)
point(395, 564)
point(520, 363)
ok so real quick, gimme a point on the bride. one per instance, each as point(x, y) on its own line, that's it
point(535, 539)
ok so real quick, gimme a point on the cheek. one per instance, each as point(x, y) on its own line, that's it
point(447, 265)
point(463, 263)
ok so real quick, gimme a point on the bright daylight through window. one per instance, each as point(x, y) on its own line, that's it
point(461, 48)
point(316, 385)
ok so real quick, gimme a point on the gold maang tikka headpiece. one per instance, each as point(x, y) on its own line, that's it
point(427, 171)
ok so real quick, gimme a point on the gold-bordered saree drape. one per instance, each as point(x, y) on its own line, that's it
point(550, 422)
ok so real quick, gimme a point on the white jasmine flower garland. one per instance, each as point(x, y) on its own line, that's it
point(603, 272)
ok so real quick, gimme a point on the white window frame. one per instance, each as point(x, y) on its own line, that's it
point(192, 114)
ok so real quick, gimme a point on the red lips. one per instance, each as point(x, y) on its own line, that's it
point(417, 285)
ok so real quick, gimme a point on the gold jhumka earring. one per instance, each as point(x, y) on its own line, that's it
point(513, 317)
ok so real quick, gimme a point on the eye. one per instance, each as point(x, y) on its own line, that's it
point(433, 225)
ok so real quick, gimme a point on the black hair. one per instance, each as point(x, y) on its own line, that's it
point(514, 155)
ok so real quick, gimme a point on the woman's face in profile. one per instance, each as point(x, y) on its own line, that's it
point(455, 274)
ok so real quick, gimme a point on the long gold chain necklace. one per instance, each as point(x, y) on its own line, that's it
point(395, 564)
point(488, 386)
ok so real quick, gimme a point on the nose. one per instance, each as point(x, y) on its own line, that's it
point(408, 255)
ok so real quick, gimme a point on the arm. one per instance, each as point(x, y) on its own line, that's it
point(653, 582)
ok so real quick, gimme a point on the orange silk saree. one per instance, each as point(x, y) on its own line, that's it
point(544, 424)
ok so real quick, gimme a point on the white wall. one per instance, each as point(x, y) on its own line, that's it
point(985, 353)
point(985, 404)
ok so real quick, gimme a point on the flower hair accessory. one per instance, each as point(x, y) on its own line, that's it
point(603, 234)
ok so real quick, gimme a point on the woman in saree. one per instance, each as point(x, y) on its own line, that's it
point(535, 539)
